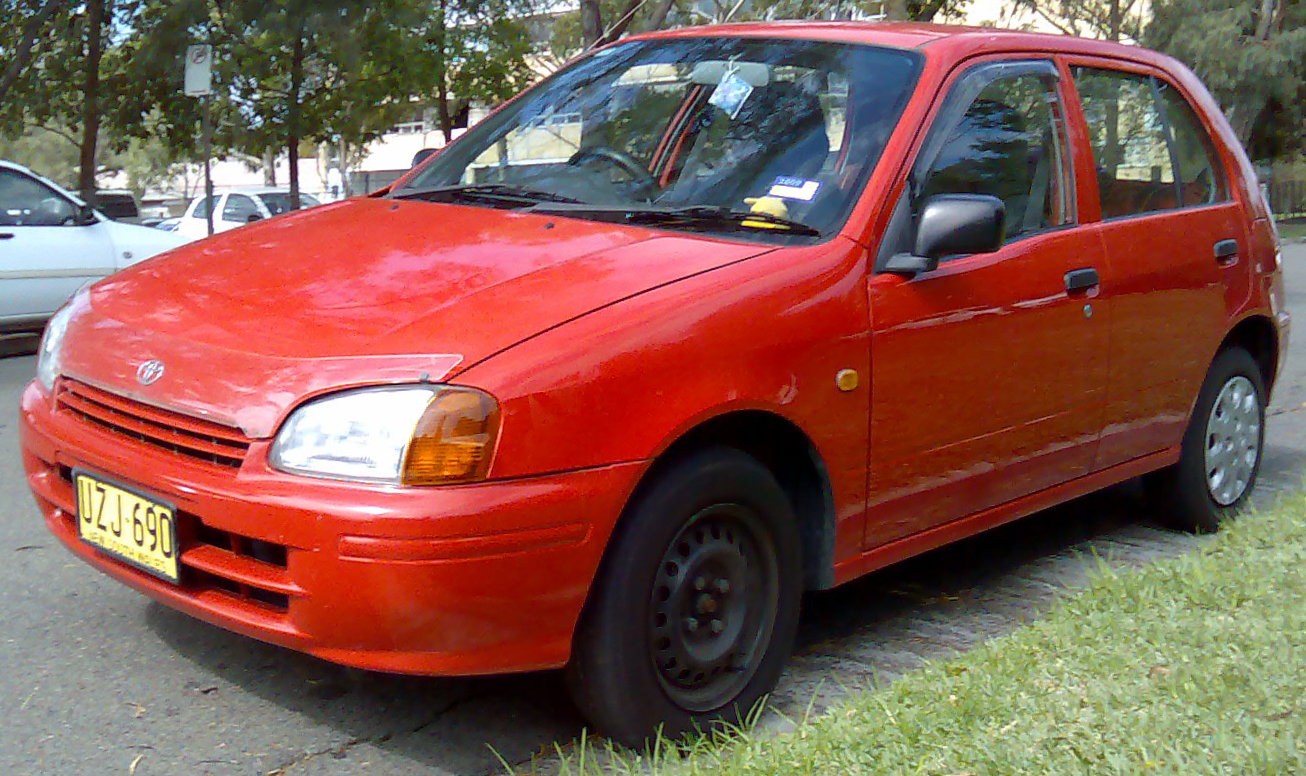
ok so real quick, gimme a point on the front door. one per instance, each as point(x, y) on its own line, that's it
point(45, 255)
point(988, 372)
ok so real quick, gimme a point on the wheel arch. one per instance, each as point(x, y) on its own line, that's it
point(1258, 336)
point(791, 457)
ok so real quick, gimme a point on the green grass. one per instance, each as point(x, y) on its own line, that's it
point(1193, 665)
point(1292, 231)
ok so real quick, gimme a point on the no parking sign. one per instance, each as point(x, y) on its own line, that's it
point(199, 70)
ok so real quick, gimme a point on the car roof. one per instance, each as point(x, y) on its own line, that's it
point(258, 190)
point(952, 41)
point(253, 191)
point(14, 166)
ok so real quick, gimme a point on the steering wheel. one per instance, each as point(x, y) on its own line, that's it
point(618, 159)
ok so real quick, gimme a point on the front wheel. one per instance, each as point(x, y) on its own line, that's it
point(695, 609)
point(1221, 450)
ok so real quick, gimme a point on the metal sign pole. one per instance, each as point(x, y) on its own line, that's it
point(208, 155)
point(199, 83)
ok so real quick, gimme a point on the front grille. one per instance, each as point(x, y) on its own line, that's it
point(195, 438)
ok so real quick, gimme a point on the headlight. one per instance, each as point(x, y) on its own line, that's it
point(411, 435)
point(49, 361)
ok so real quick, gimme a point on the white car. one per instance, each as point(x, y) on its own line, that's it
point(51, 244)
point(237, 208)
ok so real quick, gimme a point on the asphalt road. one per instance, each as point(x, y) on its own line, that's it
point(95, 679)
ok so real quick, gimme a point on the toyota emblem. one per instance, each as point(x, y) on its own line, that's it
point(149, 372)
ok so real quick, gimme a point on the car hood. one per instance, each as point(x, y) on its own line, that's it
point(365, 291)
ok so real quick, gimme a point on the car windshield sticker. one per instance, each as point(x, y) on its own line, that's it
point(794, 188)
point(731, 93)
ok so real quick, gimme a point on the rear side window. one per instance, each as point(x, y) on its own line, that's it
point(1150, 150)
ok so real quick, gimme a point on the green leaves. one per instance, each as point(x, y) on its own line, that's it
point(322, 71)
point(1252, 56)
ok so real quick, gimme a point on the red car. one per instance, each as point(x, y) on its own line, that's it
point(704, 320)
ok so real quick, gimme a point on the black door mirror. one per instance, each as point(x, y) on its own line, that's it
point(253, 217)
point(423, 155)
point(85, 216)
point(952, 224)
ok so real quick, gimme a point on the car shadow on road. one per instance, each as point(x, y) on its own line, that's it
point(857, 636)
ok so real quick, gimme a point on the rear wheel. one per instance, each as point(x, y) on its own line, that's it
point(695, 610)
point(1221, 451)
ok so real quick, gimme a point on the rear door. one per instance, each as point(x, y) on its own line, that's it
point(987, 372)
point(1173, 237)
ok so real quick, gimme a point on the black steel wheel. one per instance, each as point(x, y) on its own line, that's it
point(696, 605)
point(711, 612)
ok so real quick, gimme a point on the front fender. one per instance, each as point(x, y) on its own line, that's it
point(623, 383)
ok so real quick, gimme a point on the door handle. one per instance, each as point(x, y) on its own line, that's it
point(1226, 251)
point(1081, 280)
point(6, 235)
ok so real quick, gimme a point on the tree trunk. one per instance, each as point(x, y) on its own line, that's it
point(270, 167)
point(95, 15)
point(1268, 17)
point(443, 114)
point(292, 115)
point(659, 17)
point(591, 22)
point(623, 21)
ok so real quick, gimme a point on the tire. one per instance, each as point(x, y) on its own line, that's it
point(696, 605)
point(1221, 451)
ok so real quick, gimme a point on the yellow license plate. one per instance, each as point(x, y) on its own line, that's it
point(127, 524)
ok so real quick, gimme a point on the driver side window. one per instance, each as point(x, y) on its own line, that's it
point(1010, 143)
point(28, 202)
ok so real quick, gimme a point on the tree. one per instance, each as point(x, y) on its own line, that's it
point(1114, 20)
point(475, 49)
point(22, 23)
point(54, 77)
point(312, 70)
point(1250, 55)
point(285, 74)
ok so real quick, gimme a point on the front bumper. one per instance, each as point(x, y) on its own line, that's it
point(472, 579)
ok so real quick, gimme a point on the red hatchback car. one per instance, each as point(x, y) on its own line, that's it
point(704, 320)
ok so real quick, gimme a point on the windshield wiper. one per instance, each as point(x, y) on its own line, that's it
point(710, 218)
point(497, 192)
point(713, 217)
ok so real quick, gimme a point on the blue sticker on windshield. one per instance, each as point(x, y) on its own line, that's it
point(731, 94)
point(794, 188)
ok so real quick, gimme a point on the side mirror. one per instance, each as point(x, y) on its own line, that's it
point(85, 216)
point(952, 224)
point(423, 155)
point(253, 217)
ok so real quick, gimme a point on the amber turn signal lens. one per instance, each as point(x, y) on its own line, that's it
point(454, 440)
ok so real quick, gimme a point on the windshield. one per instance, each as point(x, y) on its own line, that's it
point(784, 128)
